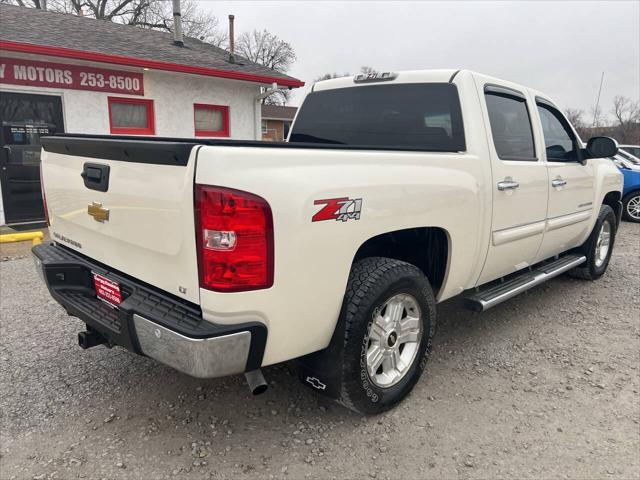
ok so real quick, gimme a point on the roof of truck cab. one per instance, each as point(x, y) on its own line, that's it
point(407, 76)
point(426, 76)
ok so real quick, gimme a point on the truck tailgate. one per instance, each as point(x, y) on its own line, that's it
point(143, 224)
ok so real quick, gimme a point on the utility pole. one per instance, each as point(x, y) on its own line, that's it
point(595, 111)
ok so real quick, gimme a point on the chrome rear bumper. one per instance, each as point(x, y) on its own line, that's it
point(198, 357)
point(149, 321)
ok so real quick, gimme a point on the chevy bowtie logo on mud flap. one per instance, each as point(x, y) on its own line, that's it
point(339, 209)
point(315, 383)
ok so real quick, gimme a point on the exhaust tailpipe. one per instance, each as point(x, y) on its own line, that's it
point(256, 381)
point(90, 339)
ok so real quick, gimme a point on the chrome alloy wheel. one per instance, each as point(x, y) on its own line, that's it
point(394, 340)
point(603, 243)
point(633, 207)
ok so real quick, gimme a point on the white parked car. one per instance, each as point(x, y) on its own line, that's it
point(629, 157)
point(395, 192)
point(631, 149)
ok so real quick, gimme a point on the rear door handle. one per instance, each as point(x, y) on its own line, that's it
point(507, 185)
point(558, 182)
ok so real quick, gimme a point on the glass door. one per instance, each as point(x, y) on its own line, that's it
point(24, 118)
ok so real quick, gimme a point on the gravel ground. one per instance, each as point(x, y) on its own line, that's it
point(543, 386)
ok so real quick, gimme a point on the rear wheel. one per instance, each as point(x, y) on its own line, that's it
point(598, 246)
point(631, 207)
point(389, 320)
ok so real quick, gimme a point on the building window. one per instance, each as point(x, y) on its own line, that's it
point(131, 116)
point(211, 120)
point(264, 126)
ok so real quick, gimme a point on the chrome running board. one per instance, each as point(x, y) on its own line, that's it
point(490, 296)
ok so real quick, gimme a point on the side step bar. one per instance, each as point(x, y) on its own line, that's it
point(487, 297)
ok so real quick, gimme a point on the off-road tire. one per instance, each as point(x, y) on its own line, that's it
point(371, 282)
point(625, 205)
point(589, 270)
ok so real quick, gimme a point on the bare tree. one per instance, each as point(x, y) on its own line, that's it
point(599, 119)
point(158, 14)
point(623, 124)
point(626, 117)
point(266, 49)
point(329, 76)
point(576, 118)
point(27, 3)
point(153, 14)
point(368, 70)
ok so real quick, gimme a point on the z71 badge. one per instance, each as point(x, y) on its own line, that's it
point(339, 209)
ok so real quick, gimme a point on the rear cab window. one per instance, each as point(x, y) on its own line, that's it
point(425, 117)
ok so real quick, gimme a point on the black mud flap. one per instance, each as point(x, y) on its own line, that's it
point(322, 370)
point(315, 372)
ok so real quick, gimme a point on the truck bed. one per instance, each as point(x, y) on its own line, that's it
point(98, 145)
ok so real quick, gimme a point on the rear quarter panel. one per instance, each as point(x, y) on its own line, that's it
point(399, 190)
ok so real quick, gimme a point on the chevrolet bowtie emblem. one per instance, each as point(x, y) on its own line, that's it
point(98, 212)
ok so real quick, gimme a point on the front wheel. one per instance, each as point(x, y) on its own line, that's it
point(631, 207)
point(598, 247)
point(389, 320)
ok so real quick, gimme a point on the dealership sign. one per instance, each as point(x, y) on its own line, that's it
point(76, 77)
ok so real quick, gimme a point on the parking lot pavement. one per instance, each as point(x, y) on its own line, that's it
point(13, 250)
point(543, 386)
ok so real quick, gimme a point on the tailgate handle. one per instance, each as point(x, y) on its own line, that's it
point(96, 176)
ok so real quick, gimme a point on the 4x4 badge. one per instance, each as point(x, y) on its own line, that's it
point(339, 209)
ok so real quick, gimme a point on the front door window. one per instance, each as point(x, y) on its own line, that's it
point(559, 142)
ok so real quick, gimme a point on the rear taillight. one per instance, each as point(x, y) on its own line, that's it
point(44, 197)
point(234, 234)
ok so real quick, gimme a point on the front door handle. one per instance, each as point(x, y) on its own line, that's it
point(558, 182)
point(507, 185)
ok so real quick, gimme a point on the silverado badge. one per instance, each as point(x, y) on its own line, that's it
point(98, 212)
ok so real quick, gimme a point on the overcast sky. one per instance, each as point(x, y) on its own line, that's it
point(560, 48)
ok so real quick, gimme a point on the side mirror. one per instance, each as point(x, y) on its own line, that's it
point(601, 147)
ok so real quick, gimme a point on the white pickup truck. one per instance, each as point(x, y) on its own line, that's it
point(395, 191)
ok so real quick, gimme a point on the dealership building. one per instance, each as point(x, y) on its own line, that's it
point(65, 73)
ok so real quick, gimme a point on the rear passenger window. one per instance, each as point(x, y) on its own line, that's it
point(510, 126)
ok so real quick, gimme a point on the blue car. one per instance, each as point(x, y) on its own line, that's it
point(631, 189)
